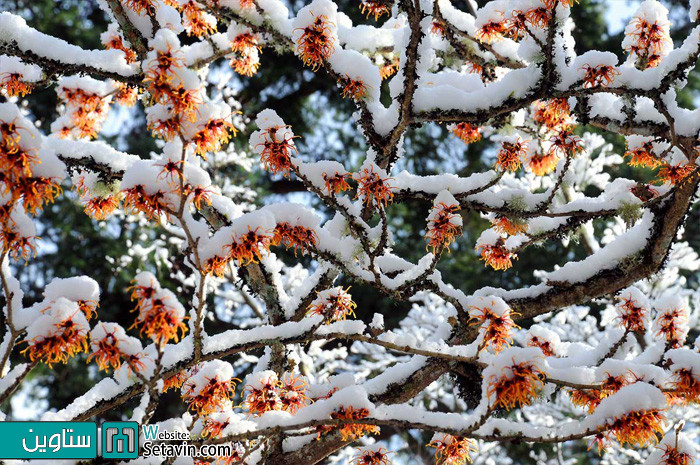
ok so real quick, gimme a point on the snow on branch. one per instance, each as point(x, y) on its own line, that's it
point(595, 349)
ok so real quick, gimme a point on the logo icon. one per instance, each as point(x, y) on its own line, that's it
point(120, 440)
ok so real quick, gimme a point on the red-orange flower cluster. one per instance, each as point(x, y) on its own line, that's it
point(453, 450)
point(511, 154)
point(444, 225)
point(643, 156)
point(353, 88)
point(14, 84)
point(374, 188)
point(648, 41)
point(601, 75)
point(276, 149)
point(372, 456)
point(246, 48)
point(542, 164)
point(468, 133)
point(334, 304)
point(195, 21)
point(496, 255)
point(553, 114)
point(270, 393)
point(351, 431)
point(210, 397)
point(315, 44)
point(675, 174)
point(300, 238)
point(510, 226)
point(376, 8)
point(517, 386)
point(639, 428)
point(497, 324)
point(336, 183)
point(160, 315)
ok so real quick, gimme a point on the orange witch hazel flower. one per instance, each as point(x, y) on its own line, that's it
point(58, 333)
point(333, 304)
point(353, 88)
point(468, 133)
point(315, 34)
point(545, 340)
point(565, 142)
point(371, 455)
point(675, 449)
point(196, 21)
point(387, 67)
point(515, 377)
point(633, 310)
point(211, 388)
point(591, 398)
point(18, 242)
point(212, 134)
point(492, 248)
point(600, 75)
point(111, 345)
point(175, 381)
point(336, 183)
point(246, 47)
point(686, 375)
point(274, 142)
point(641, 152)
point(261, 393)
point(373, 185)
point(494, 318)
point(444, 221)
point(671, 322)
point(510, 226)
point(100, 198)
point(141, 7)
point(160, 314)
point(675, 174)
point(36, 191)
point(376, 8)
point(452, 450)
point(493, 27)
point(264, 392)
point(647, 36)
point(634, 415)
point(542, 164)
point(513, 150)
point(553, 113)
point(17, 77)
point(215, 424)
point(351, 431)
point(300, 238)
point(101, 208)
point(249, 247)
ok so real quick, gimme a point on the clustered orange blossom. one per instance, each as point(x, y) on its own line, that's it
point(160, 316)
point(452, 450)
point(444, 225)
point(271, 393)
point(518, 384)
point(497, 326)
point(497, 256)
point(468, 133)
point(315, 44)
point(334, 304)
